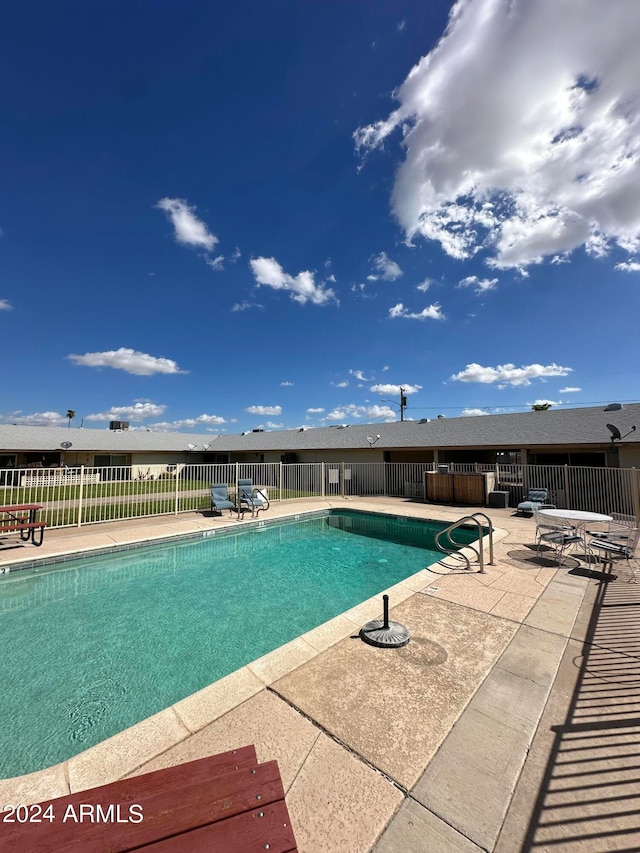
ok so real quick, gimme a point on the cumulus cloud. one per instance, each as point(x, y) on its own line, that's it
point(5, 305)
point(302, 288)
point(188, 229)
point(264, 410)
point(521, 132)
point(351, 410)
point(208, 421)
point(35, 419)
point(137, 412)
point(386, 269)
point(629, 266)
point(424, 285)
point(395, 389)
point(569, 390)
point(343, 384)
point(432, 312)
point(509, 374)
point(286, 384)
point(317, 411)
point(472, 413)
point(480, 285)
point(129, 360)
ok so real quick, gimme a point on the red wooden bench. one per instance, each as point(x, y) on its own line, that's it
point(227, 803)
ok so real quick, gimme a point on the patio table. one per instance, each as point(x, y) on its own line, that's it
point(577, 518)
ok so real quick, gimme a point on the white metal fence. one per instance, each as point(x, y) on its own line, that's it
point(79, 496)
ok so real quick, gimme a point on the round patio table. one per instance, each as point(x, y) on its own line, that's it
point(577, 517)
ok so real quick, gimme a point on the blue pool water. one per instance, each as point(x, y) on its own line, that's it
point(101, 643)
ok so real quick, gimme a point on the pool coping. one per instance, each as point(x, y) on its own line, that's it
point(123, 753)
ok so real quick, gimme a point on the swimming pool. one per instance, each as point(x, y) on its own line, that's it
point(95, 645)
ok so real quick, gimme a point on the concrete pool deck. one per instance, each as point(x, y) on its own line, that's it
point(414, 749)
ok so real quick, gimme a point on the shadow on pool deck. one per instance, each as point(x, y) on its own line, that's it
point(412, 749)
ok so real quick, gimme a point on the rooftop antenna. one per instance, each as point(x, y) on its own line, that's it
point(372, 440)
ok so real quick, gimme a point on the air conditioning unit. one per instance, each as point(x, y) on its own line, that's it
point(118, 424)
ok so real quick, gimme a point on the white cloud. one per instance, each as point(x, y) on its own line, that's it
point(395, 389)
point(317, 411)
point(271, 425)
point(129, 360)
point(137, 412)
point(286, 384)
point(629, 266)
point(264, 410)
point(302, 288)
point(569, 390)
point(343, 384)
point(187, 227)
point(353, 411)
point(521, 132)
point(508, 374)
point(359, 375)
point(386, 269)
point(432, 312)
point(425, 285)
point(5, 305)
point(216, 264)
point(472, 413)
point(480, 285)
point(191, 423)
point(35, 419)
point(244, 306)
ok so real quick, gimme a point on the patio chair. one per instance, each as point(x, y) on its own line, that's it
point(609, 549)
point(220, 498)
point(558, 536)
point(536, 499)
point(618, 528)
point(548, 525)
point(250, 497)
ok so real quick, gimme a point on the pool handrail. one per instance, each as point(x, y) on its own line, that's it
point(455, 550)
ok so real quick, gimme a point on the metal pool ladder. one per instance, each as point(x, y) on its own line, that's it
point(453, 548)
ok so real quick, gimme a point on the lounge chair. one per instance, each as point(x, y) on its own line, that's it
point(220, 498)
point(252, 498)
point(536, 499)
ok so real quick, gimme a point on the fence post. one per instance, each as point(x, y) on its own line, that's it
point(635, 492)
point(177, 498)
point(342, 479)
point(280, 472)
point(322, 475)
point(567, 492)
point(80, 491)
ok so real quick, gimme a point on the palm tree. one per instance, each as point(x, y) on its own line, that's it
point(71, 415)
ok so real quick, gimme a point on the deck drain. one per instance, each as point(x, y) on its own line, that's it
point(385, 634)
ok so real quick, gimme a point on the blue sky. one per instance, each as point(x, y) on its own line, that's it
point(219, 217)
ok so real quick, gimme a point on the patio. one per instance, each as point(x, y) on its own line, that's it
point(434, 746)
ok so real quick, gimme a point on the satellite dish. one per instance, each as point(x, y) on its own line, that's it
point(191, 446)
point(65, 445)
point(615, 432)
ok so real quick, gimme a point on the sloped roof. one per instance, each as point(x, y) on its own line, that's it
point(570, 427)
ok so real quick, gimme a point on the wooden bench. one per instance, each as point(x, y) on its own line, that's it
point(224, 802)
point(29, 526)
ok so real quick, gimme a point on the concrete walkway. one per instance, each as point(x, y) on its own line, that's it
point(459, 741)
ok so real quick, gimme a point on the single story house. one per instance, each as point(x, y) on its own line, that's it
point(580, 436)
